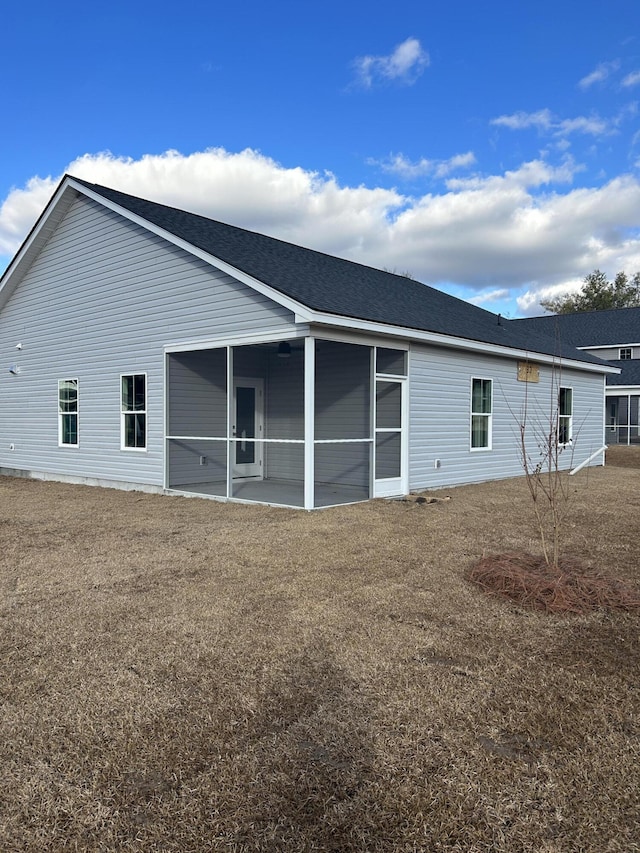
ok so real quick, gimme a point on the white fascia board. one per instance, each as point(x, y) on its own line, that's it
point(616, 390)
point(609, 346)
point(45, 225)
point(238, 340)
point(453, 342)
point(266, 290)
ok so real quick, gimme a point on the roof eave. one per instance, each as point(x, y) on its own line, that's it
point(453, 342)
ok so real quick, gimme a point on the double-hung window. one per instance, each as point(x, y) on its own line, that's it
point(133, 417)
point(68, 412)
point(565, 415)
point(481, 413)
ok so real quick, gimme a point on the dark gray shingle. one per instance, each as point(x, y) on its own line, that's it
point(337, 286)
point(617, 326)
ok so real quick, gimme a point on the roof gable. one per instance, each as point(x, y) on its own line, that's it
point(317, 281)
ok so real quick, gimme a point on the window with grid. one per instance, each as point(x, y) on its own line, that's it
point(565, 415)
point(481, 413)
point(626, 353)
point(134, 411)
point(68, 412)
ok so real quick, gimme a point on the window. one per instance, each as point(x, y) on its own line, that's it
point(481, 406)
point(134, 411)
point(626, 353)
point(68, 412)
point(565, 415)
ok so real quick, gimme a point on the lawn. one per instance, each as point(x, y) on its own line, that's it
point(183, 675)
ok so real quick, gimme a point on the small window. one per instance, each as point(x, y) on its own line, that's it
point(626, 353)
point(68, 412)
point(134, 411)
point(565, 415)
point(481, 413)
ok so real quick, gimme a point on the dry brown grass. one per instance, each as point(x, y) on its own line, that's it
point(183, 675)
point(621, 456)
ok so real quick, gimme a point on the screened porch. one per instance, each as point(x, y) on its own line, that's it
point(623, 419)
point(304, 422)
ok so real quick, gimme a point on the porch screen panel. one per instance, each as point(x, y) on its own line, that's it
point(388, 405)
point(634, 423)
point(341, 472)
point(391, 361)
point(198, 393)
point(284, 484)
point(198, 466)
point(197, 421)
point(623, 420)
point(388, 450)
point(285, 393)
point(343, 391)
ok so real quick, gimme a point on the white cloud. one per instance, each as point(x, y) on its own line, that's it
point(544, 120)
point(400, 165)
point(529, 302)
point(632, 79)
point(600, 73)
point(514, 231)
point(487, 297)
point(521, 120)
point(404, 65)
point(20, 209)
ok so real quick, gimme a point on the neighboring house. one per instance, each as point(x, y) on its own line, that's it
point(613, 335)
point(145, 347)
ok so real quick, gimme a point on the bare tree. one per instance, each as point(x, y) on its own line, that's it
point(544, 439)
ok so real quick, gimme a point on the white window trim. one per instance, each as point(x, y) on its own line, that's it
point(144, 412)
point(623, 357)
point(570, 416)
point(62, 443)
point(489, 416)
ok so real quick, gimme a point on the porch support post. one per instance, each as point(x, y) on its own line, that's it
point(231, 447)
point(309, 420)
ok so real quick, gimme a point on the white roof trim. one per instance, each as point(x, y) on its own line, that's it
point(456, 343)
point(615, 390)
point(43, 228)
point(610, 346)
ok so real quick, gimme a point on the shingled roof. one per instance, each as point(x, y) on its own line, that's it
point(340, 287)
point(630, 372)
point(616, 327)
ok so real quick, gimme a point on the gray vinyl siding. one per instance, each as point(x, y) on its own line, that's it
point(440, 416)
point(101, 299)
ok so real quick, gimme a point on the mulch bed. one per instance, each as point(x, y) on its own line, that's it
point(568, 588)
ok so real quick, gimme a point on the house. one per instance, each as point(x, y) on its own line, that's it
point(150, 348)
point(613, 335)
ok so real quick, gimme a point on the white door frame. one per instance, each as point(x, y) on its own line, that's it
point(249, 470)
point(392, 486)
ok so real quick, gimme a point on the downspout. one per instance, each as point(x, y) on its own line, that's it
point(586, 461)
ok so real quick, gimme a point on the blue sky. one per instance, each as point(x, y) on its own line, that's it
point(490, 149)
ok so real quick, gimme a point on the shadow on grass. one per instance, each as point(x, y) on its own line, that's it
point(285, 766)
